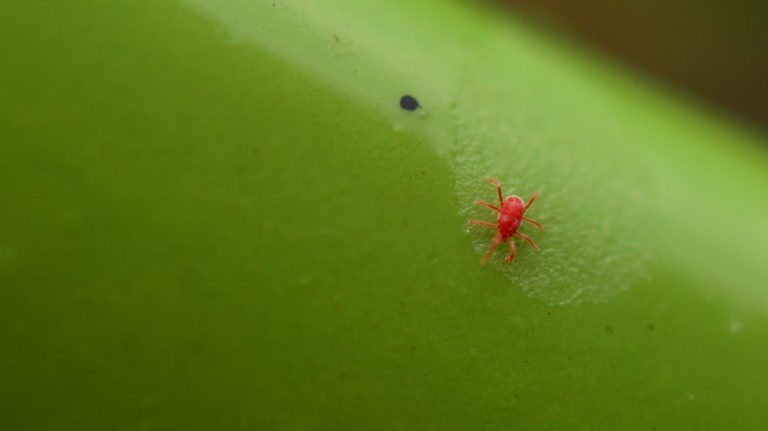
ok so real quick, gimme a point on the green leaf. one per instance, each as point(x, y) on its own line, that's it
point(216, 215)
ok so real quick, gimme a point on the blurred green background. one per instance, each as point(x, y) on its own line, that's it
point(215, 215)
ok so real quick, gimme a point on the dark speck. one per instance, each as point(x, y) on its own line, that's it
point(651, 327)
point(609, 329)
point(409, 103)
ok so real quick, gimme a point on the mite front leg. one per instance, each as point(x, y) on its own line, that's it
point(495, 182)
point(512, 251)
point(530, 202)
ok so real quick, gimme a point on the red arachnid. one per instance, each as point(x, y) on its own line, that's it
point(511, 216)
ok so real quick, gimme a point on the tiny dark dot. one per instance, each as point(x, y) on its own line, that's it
point(609, 329)
point(650, 326)
point(409, 103)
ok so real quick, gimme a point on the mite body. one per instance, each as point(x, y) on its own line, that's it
point(511, 216)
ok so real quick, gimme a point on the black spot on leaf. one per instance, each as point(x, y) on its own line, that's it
point(409, 103)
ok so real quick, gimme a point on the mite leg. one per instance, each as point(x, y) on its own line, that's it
point(492, 249)
point(486, 204)
point(525, 237)
point(484, 224)
point(530, 202)
point(512, 251)
point(495, 182)
point(538, 225)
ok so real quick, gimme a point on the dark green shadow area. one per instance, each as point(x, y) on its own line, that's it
point(194, 236)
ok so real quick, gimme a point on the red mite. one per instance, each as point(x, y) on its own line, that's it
point(511, 216)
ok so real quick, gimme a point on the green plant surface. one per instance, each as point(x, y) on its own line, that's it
point(215, 215)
